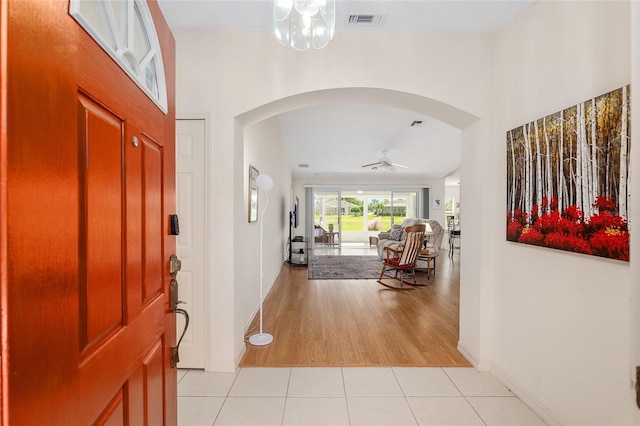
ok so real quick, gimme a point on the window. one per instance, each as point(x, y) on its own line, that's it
point(348, 217)
point(125, 30)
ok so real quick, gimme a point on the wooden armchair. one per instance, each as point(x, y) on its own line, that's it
point(402, 261)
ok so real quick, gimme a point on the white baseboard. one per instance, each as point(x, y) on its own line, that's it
point(539, 408)
point(465, 353)
point(535, 405)
point(478, 364)
point(239, 357)
point(222, 367)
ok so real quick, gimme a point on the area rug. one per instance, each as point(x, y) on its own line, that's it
point(344, 267)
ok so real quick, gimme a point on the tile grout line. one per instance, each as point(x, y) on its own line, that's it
point(344, 388)
point(465, 397)
point(226, 396)
point(448, 372)
point(286, 396)
point(393, 371)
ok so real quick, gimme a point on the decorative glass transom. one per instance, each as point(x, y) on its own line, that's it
point(125, 30)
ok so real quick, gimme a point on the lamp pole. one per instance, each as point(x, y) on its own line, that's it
point(261, 339)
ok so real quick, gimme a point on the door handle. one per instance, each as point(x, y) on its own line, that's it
point(175, 354)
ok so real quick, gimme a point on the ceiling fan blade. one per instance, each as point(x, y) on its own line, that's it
point(372, 164)
point(399, 165)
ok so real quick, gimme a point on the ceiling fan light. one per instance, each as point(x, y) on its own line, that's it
point(385, 164)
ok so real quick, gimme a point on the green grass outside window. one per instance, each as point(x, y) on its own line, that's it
point(354, 223)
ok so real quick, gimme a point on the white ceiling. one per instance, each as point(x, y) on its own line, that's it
point(424, 16)
point(336, 139)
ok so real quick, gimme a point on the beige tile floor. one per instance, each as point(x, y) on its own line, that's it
point(348, 396)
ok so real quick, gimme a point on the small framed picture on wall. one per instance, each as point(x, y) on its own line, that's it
point(448, 204)
point(436, 203)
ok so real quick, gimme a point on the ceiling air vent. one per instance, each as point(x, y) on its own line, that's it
point(303, 165)
point(366, 19)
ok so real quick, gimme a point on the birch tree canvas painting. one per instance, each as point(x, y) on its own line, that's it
point(567, 177)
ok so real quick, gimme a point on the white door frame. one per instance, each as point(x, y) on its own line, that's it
point(207, 239)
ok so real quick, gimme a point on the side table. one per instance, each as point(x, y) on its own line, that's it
point(298, 252)
point(428, 256)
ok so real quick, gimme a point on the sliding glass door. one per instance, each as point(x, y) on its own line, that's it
point(350, 218)
point(326, 218)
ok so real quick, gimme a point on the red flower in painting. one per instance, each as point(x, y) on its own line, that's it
point(573, 213)
point(605, 204)
point(548, 222)
point(604, 234)
point(611, 243)
point(605, 220)
point(568, 227)
point(531, 236)
point(514, 230)
point(518, 216)
point(567, 242)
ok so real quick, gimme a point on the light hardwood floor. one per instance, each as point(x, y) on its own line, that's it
point(359, 322)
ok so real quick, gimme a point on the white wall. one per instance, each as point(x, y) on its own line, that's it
point(476, 239)
point(555, 325)
point(560, 329)
point(237, 86)
point(263, 149)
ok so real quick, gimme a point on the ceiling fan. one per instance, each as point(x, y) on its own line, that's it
point(384, 163)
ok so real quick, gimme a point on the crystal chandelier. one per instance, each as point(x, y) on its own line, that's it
point(302, 24)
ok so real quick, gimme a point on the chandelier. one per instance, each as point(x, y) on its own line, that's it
point(302, 24)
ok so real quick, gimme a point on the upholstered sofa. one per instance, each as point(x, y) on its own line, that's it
point(391, 239)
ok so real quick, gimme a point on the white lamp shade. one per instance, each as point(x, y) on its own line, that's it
point(264, 182)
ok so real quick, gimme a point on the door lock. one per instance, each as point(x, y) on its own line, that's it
point(175, 265)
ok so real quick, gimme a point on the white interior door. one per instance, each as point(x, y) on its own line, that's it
point(190, 196)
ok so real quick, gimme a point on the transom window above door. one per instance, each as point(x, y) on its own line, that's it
point(125, 30)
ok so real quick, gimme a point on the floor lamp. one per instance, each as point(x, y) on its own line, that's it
point(260, 339)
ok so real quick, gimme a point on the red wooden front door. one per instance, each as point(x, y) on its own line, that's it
point(86, 326)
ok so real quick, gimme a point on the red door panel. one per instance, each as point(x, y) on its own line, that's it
point(154, 264)
point(114, 414)
point(101, 300)
point(134, 229)
point(86, 328)
point(153, 386)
